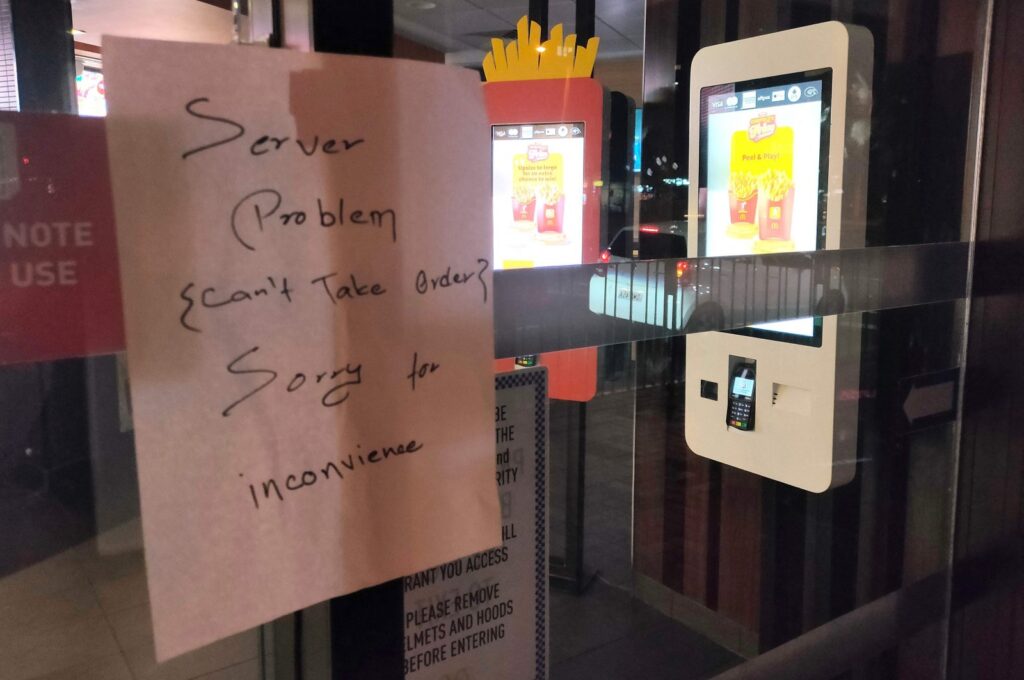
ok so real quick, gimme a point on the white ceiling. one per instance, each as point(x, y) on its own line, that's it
point(461, 28)
point(187, 20)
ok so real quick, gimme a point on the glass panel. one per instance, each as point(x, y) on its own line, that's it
point(797, 584)
point(558, 308)
point(664, 563)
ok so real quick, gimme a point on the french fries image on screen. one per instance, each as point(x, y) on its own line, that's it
point(538, 196)
point(524, 205)
point(552, 208)
point(760, 183)
point(774, 205)
point(775, 183)
point(742, 197)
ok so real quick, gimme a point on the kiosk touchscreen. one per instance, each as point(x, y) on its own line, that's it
point(766, 174)
point(779, 128)
point(537, 189)
point(547, 178)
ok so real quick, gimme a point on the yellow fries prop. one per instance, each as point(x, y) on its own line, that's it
point(527, 58)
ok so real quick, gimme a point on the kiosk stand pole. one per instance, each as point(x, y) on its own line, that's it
point(366, 627)
point(585, 22)
point(538, 12)
point(353, 27)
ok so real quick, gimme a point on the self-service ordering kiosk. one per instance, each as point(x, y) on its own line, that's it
point(779, 132)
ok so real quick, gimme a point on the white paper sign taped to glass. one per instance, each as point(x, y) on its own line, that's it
point(308, 310)
point(486, 615)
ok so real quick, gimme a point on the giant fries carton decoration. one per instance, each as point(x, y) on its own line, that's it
point(527, 58)
point(547, 172)
point(545, 184)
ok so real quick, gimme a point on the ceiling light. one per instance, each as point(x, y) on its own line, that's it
point(76, 31)
point(420, 4)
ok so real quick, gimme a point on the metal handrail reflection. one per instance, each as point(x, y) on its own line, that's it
point(549, 309)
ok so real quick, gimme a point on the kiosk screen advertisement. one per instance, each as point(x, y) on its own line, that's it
point(91, 92)
point(765, 148)
point(537, 189)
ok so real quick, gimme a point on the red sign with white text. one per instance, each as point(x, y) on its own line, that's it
point(59, 289)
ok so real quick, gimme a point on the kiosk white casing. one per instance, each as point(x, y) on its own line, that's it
point(806, 400)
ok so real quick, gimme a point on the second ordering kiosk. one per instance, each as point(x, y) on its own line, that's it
point(779, 132)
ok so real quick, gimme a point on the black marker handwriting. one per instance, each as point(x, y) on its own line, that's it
point(191, 303)
point(231, 369)
point(265, 204)
point(335, 469)
point(239, 128)
point(265, 144)
point(208, 298)
point(420, 370)
point(426, 283)
point(251, 199)
point(351, 375)
point(480, 275)
point(329, 146)
point(349, 290)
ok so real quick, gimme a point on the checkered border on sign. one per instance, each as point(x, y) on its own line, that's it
point(538, 378)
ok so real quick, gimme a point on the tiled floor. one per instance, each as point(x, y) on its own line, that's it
point(83, 614)
point(606, 633)
point(612, 636)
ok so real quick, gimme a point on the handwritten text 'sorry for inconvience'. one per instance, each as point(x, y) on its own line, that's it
point(305, 249)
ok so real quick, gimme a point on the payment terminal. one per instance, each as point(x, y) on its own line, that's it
point(741, 397)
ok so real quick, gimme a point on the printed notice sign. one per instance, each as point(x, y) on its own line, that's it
point(307, 294)
point(58, 257)
point(486, 615)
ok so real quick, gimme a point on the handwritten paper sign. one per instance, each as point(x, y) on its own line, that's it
point(486, 615)
point(305, 245)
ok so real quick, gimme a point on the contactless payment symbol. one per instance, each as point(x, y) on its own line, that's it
point(794, 93)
